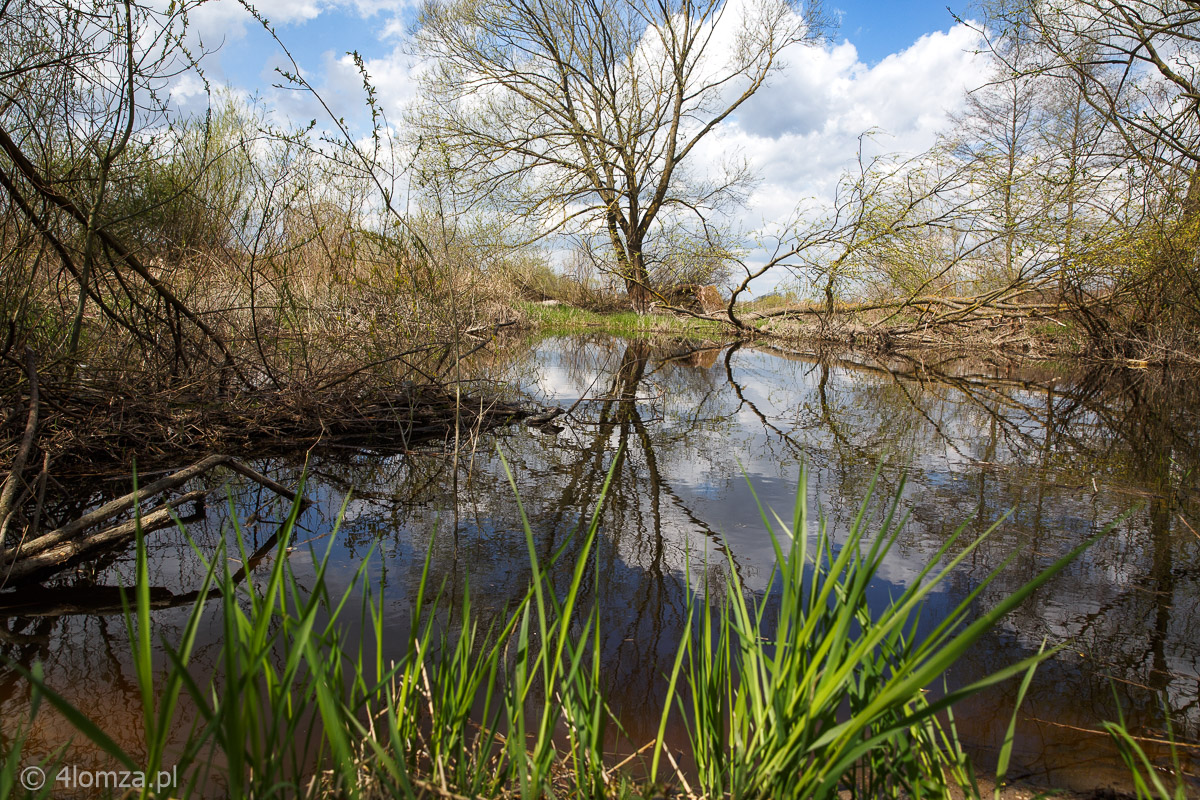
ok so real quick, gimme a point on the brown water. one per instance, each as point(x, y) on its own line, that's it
point(1066, 450)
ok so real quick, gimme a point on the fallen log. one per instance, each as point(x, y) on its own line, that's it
point(67, 542)
point(84, 600)
point(8, 495)
point(112, 508)
point(126, 502)
point(158, 517)
point(90, 601)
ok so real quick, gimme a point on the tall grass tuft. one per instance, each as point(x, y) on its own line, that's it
point(1149, 782)
point(804, 691)
point(830, 695)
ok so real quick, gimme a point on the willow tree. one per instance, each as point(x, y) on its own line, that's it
point(586, 114)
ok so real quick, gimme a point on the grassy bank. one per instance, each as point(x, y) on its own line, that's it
point(1034, 337)
point(563, 318)
point(803, 692)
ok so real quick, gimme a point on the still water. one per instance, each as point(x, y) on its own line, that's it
point(690, 429)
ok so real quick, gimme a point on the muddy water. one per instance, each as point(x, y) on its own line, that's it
point(691, 428)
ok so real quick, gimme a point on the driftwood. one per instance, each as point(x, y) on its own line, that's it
point(160, 517)
point(84, 600)
point(111, 509)
point(55, 548)
point(8, 495)
point(39, 601)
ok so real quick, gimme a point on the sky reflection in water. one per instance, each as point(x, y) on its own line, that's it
point(1068, 452)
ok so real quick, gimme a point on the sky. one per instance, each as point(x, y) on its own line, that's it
point(878, 28)
point(898, 69)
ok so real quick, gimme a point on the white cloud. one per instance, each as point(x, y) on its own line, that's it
point(340, 85)
point(798, 133)
point(801, 130)
point(392, 76)
point(228, 20)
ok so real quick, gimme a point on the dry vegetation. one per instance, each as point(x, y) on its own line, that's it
point(1063, 195)
point(175, 284)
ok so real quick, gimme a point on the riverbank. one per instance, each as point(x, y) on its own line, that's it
point(559, 318)
point(679, 421)
point(1034, 338)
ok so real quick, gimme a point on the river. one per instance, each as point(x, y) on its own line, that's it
point(699, 429)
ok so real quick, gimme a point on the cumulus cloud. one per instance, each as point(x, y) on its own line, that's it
point(393, 77)
point(340, 84)
point(229, 18)
point(801, 131)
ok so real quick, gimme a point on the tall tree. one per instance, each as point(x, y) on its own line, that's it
point(586, 113)
point(1077, 178)
point(1136, 63)
point(997, 137)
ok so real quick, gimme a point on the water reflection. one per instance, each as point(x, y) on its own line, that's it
point(677, 425)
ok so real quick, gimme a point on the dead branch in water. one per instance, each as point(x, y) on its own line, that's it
point(61, 601)
point(55, 548)
point(111, 509)
point(159, 517)
point(8, 496)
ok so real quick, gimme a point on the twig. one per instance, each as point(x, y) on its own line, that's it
point(678, 772)
point(1189, 527)
point(613, 769)
point(1147, 739)
point(258, 477)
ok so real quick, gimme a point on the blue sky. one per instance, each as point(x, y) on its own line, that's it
point(878, 28)
point(313, 30)
point(900, 70)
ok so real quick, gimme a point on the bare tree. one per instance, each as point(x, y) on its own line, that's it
point(996, 138)
point(1129, 71)
point(585, 114)
point(1135, 63)
point(881, 237)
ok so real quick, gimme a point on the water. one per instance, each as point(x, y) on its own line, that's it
point(689, 430)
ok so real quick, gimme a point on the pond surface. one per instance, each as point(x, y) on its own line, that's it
point(692, 428)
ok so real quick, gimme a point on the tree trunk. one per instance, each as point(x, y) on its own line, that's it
point(637, 280)
point(826, 319)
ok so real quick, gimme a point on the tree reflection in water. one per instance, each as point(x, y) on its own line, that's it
point(1068, 450)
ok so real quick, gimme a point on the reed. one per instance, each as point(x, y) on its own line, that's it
point(1150, 781)
point(803, 691)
